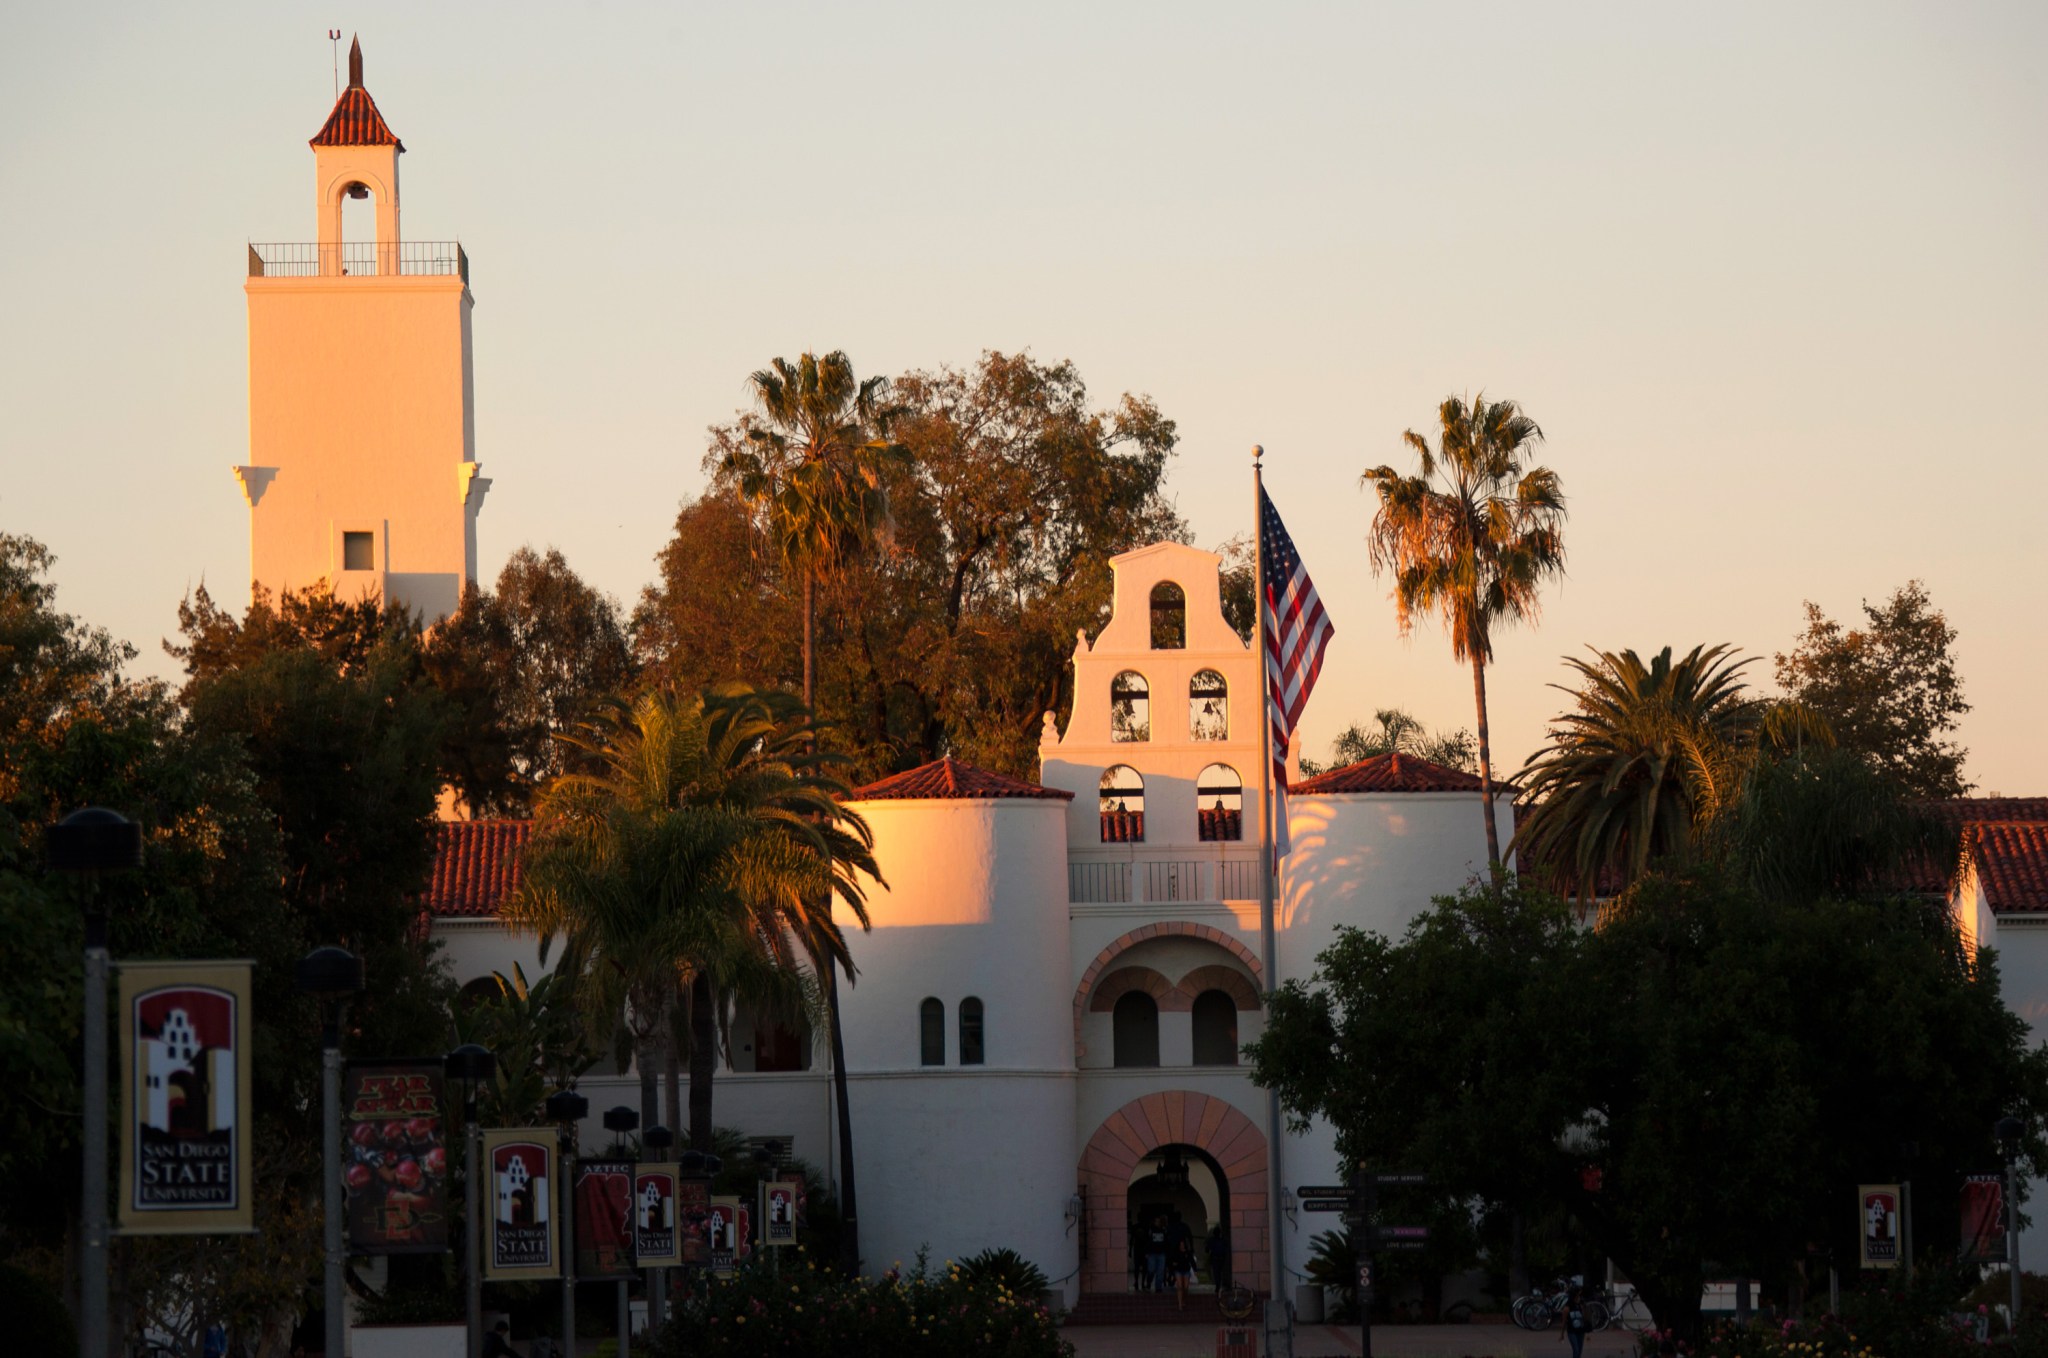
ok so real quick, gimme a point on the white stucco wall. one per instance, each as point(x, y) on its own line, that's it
point(975, 906)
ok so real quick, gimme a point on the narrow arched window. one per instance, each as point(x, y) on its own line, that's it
point(1208, 706)
point(1120, 799)
point(1130, 707)
point(1215, 1018)
point(1169, 617)
point(1219, 803)
point(970, 1032)
point(1134, 1025)
point(931, 1032)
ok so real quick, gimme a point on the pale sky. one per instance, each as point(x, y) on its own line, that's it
point(1773, 278)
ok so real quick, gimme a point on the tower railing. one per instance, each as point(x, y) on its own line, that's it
point(1112, 878)
point(358, 259)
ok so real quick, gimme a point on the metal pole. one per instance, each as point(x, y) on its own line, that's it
point(625, 1320)
point(474, 1233)
point(92, 1328)
point(330, 1172)
point(567, 1226)
point(1276, 1253)
point(2012, 1237)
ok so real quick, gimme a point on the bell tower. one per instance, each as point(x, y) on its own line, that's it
point(362, 466)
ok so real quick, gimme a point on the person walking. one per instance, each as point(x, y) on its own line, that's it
point(1218, 1248)
point(1182, 1264)
point(1575, 1319)
point(1155, 1252)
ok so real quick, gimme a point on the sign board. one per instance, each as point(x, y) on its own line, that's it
point(693, 1220)
point(1878, 1224)
point(395, 1157)
point(1399, 1245)
point(1365, 1275)
point(185, 1120)
point(521, 1234)
point(1386, 1233)
point(656, 1241)
point(1326, 1204)
point(778, 1213)
point(725, 1233)
point(1324, 1190)
point(1392, 1178)
point(1984, 1221)
point(604, 1219)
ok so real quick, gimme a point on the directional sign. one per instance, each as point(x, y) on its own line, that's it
point(1394, 1177)
point(1404, 1232)
point(1326, 1204)
point(1365, 1274)
point(1400, 1245)
point(1324, 1191)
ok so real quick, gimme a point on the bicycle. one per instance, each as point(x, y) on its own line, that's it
point(1631, 1315)
point(1541, 1310)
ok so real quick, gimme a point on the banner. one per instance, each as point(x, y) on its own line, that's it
point(1984, 1225)
point(656, 1242)
point(519, 1183)
point(395, 1157)
point(693, 1220)
point(1879, 1224)
point(185, 1118)
point(725, 1231)
point(800, 1188)
point(778, 1213)
point(604, 1219)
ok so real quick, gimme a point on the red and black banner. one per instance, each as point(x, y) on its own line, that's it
point(1984, 1220)
point(395, 1157)
point(604, 1219)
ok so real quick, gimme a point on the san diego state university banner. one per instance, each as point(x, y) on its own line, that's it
point(395, 1157)
point(657, 1243)
point(185, 1118)
point(521, 1235)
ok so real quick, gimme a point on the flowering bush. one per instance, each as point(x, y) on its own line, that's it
point(807, 1312)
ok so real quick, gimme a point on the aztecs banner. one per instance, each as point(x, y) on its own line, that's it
point(656, 1241)
point(1879, 1223)
point(604, 1219)
point(185, 1119)
point(395, 1157)
point(521, 1239)
point(1984, 1225)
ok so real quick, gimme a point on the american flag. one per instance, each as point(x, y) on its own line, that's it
point(1297, 632)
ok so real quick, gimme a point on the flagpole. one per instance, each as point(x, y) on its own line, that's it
point(1268, 952)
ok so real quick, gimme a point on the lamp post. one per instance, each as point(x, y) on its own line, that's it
point(568, 1108)
point(657, 1143)
point(468, 1066)
point(331, 975)
point(88, 843)
point(2010, 1131)
point(619, 1121)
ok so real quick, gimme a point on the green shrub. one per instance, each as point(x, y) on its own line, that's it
point(809, 1312)
point(1007, 1268)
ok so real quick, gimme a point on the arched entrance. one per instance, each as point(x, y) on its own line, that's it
point(1122, 1155)
point(1175, 1189)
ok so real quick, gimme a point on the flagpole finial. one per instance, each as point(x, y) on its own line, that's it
point(1258, 451)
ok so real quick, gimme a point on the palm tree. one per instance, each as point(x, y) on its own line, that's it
point(702, 850)
point(1470, 539)
point(1647, 753)
point(817, 462)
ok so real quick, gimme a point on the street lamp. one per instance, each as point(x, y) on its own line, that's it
point(331, 975)
point(2010, 1131)
point(467, 1067)
point(657, 1141)
point(568, 1108)
point(619, 1121)
point(88, 843)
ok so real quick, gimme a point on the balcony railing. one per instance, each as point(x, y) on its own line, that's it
point(358, 259)
point(1121, 881)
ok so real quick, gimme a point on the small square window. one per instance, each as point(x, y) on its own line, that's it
point(359, 551)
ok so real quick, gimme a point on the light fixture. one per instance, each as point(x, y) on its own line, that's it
point(1288, 1204)
point(1075, 1206)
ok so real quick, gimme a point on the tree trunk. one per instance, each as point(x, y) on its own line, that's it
point(849, 1221)
point(703, 1059)
point(672, 1086)
point(1486, 768)
point(647, 1061)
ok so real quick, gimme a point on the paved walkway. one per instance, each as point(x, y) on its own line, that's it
point(1333, 1341)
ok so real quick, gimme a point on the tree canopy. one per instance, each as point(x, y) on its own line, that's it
point(1889, 690)
point(954, 636)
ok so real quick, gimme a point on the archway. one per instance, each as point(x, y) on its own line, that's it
point(1136, 1134)
point(1176, 1188)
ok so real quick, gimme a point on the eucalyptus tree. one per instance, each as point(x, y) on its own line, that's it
point(1470, 539)
point(816, 461)
point(701, 853)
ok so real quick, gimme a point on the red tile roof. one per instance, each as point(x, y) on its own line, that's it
point(355, 120)
point(1931, 875)
point(2011, 859)
point(1394, 772)
point(1122, 827)
point(476, 867)
point(948, 779)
